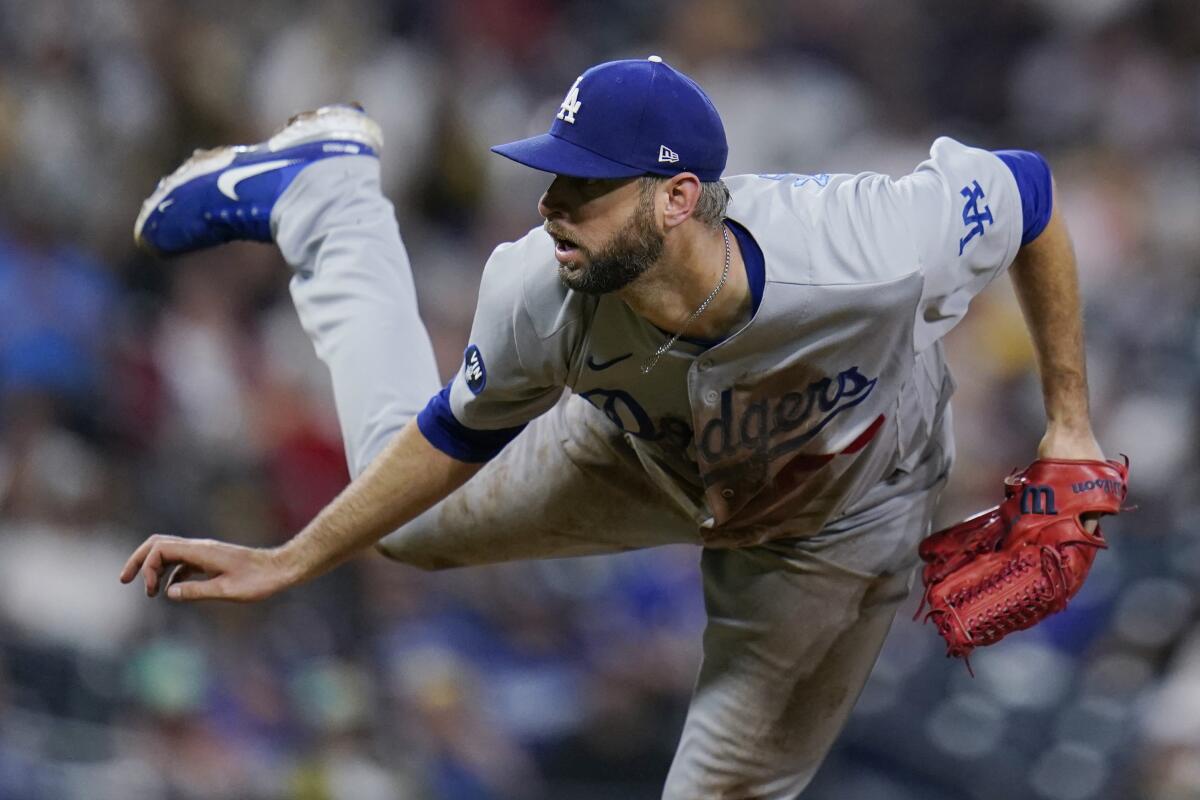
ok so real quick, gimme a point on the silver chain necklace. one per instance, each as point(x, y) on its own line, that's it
point(649, 365)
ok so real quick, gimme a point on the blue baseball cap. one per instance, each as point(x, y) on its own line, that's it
point(626, 118)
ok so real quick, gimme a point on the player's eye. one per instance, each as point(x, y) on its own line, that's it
point(594, 187)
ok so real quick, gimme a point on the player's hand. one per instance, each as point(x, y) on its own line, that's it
point(1079, 444)
point(1074, 443)
point(213, 570)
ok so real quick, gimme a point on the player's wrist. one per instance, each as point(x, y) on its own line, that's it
point(1065, 398)
point(286, 565)
point(1070, 441)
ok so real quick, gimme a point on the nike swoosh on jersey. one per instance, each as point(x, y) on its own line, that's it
point(228, 180)
point(591, 362)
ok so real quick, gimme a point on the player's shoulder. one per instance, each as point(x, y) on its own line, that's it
point(815, 228)
point(858, 227)
point(811, 194)
point(521, 277)
point(948, 150)
point(787, 190)
point(807, 200)
point(952, 164)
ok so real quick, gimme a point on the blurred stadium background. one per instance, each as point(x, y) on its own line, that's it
point(139, 396)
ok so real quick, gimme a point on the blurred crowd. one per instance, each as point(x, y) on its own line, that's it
point(138, 396)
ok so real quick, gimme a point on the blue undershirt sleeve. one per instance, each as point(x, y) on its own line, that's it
point(439, 426)
point(1033, 182)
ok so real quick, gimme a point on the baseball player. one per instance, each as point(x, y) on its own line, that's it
point(755, 367)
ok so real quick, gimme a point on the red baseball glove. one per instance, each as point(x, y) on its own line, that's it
point(1009, 567)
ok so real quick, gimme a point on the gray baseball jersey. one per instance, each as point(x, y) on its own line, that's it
point(832, 385)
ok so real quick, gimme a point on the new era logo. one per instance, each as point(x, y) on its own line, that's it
point(666, 155)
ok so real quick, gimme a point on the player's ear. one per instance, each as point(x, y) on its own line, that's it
point(682, 193)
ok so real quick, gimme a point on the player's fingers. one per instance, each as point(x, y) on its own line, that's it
point(204, 555)
point(149, 571)
point(210, 589)
point(177, 573)
point(134, 564)
point(167, 551)
point(154, 565)
point(221, 570)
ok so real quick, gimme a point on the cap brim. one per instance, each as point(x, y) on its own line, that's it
point(549, 153)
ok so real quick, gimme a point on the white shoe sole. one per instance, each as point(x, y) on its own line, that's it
point(328, 122)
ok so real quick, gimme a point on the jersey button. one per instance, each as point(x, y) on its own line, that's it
point(727, 494)
point(711, 397)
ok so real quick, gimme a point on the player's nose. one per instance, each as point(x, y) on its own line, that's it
point(553, 202)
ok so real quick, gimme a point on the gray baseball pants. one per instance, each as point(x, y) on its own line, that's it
point(794, 626)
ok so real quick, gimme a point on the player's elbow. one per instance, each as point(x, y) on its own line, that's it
point(392, 548)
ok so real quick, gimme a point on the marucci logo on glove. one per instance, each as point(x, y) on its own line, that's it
point(1104, 485)
point(1038, 500)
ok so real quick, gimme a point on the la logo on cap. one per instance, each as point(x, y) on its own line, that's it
point(571, 103)
point(642, 117)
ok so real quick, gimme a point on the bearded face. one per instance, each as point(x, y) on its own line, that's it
point(616, 263)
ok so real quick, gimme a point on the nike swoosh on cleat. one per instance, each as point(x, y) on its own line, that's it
point(605, 364)
point(228, 180)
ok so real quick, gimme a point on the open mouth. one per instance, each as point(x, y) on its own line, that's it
point(565, 249)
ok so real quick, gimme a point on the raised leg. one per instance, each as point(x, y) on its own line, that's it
point(354, 292)
point(313, 189)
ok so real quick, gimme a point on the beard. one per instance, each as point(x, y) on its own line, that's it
point(628, 254)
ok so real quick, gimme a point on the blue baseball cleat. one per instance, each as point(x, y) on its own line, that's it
point(227, 194)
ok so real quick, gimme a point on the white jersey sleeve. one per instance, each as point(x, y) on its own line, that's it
point(526, 327)
point(961, 212)
point(522, 338)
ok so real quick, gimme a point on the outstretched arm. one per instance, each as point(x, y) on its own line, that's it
point(1047, 286)
point(408, 477)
